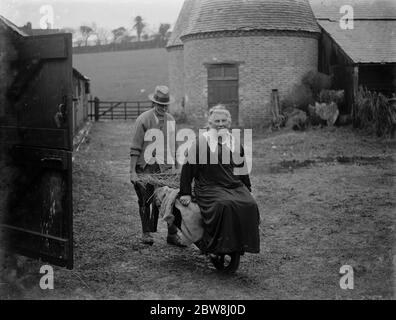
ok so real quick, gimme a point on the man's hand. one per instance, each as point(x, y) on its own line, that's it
point(134, 177)
point(185, 200)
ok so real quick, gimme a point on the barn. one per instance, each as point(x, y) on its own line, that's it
point(363, 55)
point(237, 52)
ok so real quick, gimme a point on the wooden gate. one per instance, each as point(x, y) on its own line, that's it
point(36, 151)
point(117, 110)
point(223, 88)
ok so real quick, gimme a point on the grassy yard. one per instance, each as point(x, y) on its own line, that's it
point(124, 75)
point(326, 199)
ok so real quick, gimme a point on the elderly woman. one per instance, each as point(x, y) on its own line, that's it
point(230, 213)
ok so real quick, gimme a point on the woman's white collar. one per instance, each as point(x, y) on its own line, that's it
point(212, 137)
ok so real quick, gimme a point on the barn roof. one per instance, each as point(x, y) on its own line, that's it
point(373, 37)
point(370, 41)
point(362, 9)
point(79, 75)
point(206, 16)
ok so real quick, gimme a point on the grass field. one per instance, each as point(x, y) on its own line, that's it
point(124, 75)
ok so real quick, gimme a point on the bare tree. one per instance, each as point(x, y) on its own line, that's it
point(139, 26)
point(86, 32)
point(102, 36)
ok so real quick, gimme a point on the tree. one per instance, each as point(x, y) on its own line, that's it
point(102, 36)
point(118, 33)
point(86, 32)
point(139, 26)
point(163, 31)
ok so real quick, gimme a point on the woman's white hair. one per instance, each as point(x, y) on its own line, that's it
point(219, 108)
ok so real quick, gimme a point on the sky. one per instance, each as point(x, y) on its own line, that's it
point(109, 14)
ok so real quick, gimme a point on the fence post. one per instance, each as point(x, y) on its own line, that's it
point(138, 103)
point(125, 110)
point(111, 108)
point(96, 105)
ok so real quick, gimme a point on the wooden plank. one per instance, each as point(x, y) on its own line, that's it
point(37, 137)
point(45, 47)
point(45, 158)
point(34, 233)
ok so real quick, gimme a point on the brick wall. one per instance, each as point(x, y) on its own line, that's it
point(266, 63)
point(176, 76)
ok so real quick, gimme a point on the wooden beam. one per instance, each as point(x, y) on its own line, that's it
point(44, 47)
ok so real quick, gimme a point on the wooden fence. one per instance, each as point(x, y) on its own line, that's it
point(116, 110)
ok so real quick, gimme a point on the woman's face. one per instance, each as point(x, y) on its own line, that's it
point(219, 120)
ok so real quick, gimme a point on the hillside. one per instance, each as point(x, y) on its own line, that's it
point(124, 75)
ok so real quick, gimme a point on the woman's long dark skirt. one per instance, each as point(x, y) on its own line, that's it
point(231, 219)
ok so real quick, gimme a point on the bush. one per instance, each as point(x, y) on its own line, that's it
point(374, 113)
point(307, 92)
point(299, 97)
point(316, 82)
point(329, 96)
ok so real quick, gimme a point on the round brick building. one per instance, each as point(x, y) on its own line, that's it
point(237, 51)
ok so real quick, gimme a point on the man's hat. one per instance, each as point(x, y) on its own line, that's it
point(161, 95)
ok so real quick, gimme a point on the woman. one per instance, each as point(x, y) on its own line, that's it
point(230, 214)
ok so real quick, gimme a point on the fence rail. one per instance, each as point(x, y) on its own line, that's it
point(116, 110)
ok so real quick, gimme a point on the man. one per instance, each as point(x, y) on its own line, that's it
point(155, 118)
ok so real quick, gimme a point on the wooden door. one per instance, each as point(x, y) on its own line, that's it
point(223, 88)
point(36, 151)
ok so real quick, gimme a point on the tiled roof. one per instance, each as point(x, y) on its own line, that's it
point(234, 15)
point(204, 16)
point(362, 9)
point(370, 41)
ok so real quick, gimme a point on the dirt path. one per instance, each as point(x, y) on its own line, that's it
point(326, 199)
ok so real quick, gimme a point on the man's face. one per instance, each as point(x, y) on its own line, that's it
point(161, 109)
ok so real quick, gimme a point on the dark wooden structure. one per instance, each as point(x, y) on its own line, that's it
point(349, 75)
point(36, 145)
point(362, 54)
point(81, 90)
point(223, 87)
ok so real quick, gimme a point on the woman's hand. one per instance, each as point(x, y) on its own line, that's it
point(185, 200)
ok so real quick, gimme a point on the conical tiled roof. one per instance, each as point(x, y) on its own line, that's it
point(181, 24)
point(206, 16)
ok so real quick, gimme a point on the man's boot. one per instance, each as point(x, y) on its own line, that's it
point(145, 219)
